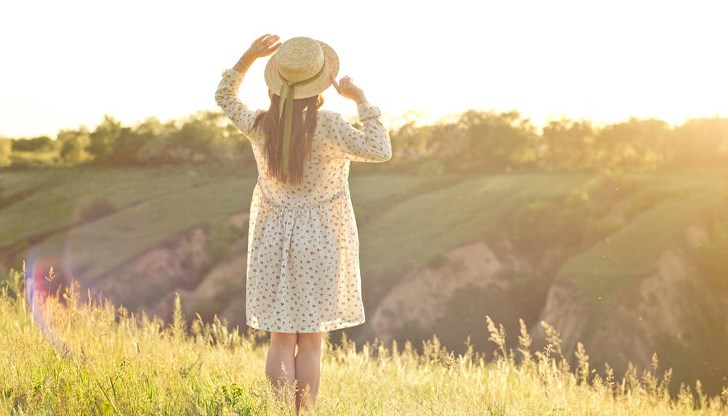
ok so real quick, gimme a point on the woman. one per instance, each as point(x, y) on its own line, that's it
point(303, 276)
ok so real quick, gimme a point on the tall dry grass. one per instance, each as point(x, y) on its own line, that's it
point(70, 355)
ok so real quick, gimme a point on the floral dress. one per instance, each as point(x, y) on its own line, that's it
point(303, 245)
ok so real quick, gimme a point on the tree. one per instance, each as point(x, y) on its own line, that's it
point(126, 146)
point(6, 150)
point(207, 136)
point(700, 141)
point(36, 144)
point(567, 145)
point(632, 145)
point(411, 140)
point(101, 144)
point(73, 145)
point(494, 142)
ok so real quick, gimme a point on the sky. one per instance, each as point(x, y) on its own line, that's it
point(66, 64)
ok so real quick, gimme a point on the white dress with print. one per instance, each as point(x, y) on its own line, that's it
point(303, 245)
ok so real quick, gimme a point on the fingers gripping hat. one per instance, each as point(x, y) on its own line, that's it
point(300, 68)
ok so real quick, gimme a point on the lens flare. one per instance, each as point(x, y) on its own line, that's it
point(38, 281)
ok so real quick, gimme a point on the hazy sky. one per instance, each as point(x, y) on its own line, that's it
point(66, 63)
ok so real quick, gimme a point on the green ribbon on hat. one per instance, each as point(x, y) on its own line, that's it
point(286, 104)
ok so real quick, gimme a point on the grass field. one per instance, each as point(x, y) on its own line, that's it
point(107, 361)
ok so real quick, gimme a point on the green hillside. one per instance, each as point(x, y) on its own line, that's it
point(439, 220)
point(610, 272)
point(109, 209)
point(606, 268)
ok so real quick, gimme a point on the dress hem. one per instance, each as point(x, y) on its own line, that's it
point(322, 328)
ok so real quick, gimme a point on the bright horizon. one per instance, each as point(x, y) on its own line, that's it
point(69, 63)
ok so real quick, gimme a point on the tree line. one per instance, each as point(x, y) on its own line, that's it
point(481, 142)
point(203, 137)
point(473, 142)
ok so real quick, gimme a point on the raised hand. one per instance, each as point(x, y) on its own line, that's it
point(263, 46)
point(347, 89)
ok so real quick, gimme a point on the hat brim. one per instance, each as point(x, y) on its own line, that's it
point(311, 88)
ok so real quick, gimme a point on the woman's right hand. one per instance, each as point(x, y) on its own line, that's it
point(346, 88)
point(263, 46)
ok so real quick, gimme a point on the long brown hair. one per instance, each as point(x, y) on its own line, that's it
point(301, 136)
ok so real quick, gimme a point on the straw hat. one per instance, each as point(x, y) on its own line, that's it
point(304, 63)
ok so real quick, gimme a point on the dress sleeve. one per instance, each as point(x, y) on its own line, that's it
point(371, 144)
point(226, 97)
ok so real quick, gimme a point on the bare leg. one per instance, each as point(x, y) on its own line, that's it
point(308, 368)
point(280, 367)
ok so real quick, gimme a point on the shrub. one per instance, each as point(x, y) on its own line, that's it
point(6, 150)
